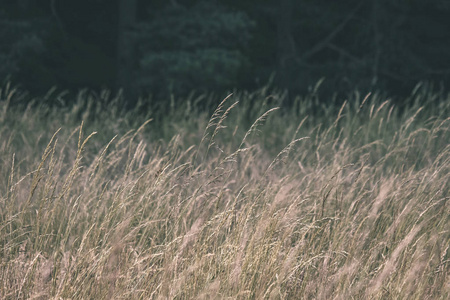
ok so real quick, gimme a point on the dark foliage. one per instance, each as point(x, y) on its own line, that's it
point(174, 47)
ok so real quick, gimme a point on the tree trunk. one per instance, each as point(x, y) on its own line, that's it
point(125, 48)
point(377, 37)
point(285, 45)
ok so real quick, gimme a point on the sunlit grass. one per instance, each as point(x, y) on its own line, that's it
point(320, 201)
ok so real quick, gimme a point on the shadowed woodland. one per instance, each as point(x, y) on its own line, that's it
point(174, 47)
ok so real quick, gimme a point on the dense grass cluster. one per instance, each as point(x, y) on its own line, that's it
point(321, 201)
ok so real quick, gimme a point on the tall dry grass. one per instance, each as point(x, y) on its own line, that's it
point(345, 201)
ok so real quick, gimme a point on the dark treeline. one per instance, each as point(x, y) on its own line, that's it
point(163, 47)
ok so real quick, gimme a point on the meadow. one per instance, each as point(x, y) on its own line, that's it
point(326, 200)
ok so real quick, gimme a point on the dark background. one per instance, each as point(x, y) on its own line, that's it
point(164, 47)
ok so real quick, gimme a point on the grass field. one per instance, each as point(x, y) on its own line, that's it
point(321, 201)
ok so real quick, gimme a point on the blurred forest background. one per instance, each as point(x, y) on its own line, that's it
point(163, 47)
